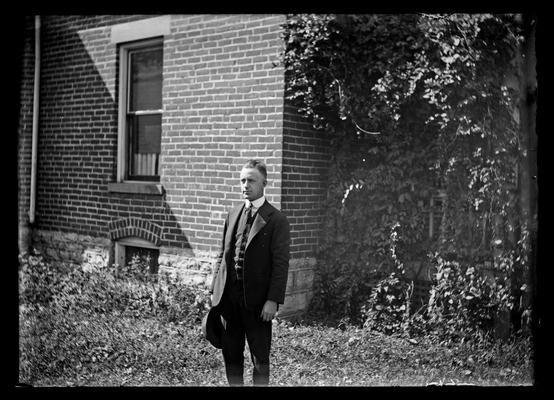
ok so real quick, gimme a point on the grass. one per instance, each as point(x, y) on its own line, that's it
point(357, 357)
point(76, 342)
point(110, 350)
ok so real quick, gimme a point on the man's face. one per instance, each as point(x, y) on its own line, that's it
point(252, 183)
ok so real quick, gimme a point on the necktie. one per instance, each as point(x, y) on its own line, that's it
point(239, 260)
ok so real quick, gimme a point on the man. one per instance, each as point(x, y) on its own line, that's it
point(250, 276)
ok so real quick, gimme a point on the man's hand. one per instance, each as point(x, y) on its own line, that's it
point(269, 310)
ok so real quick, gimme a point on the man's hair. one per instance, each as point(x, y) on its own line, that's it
point(259, 165)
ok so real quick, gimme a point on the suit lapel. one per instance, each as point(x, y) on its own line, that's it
point(233, 221)
point(262, 216)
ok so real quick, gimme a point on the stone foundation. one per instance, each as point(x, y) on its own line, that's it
point(23, 239)
point(187, 266)
point(195, 269)
point(299, 287)
point(73, 249)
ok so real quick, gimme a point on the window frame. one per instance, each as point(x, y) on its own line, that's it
point(120, 249)
point(436, 203)
point(123, 142)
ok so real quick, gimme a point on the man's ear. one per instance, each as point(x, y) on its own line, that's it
point(265, 183)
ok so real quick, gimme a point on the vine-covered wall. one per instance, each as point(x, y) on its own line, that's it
point(423, 110)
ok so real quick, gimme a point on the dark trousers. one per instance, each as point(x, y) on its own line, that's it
point(240, 324)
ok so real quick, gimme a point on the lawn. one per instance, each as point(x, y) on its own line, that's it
point(90, 329)
point(110, 350)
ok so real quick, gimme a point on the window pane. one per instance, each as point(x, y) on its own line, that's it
point(145, 133)
point(146, 257)
point(145, 79)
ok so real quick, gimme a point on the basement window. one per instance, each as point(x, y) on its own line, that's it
point(131, 248)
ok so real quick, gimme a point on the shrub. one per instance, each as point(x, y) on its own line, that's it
point(72, 320)
point(38, 280)
point(463, 305)
point(133, 293)
point(463, 301)
point(177, 302)
point(339, 292)
point(388, 307)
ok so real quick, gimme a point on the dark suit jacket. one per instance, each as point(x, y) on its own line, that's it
point(266, 258)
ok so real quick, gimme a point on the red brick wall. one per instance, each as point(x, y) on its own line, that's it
point(306, 154)
point(223, 104)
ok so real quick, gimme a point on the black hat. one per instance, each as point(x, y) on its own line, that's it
point(212, 328)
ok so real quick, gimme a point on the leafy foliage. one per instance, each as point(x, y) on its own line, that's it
point(417, 105)
point(463, 301)
point(130, 294)
point(388, 307)
point(75, 343)
point(75, 320)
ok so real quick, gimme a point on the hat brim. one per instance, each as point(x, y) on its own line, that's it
point(212, 328)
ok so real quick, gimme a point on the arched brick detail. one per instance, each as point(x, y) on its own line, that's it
point(137, 227)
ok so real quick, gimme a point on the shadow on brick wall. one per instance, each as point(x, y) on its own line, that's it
point(77, 154)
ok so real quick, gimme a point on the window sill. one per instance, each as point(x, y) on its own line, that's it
point(136, 187)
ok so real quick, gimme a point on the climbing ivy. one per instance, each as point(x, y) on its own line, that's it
point(417, 106)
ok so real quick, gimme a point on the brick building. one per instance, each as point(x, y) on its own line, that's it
point(142, 124)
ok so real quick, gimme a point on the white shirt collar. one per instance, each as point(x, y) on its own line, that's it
point(256, 203)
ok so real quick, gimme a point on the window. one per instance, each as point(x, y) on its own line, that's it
point(128, 248)
point(435, 214)
point(147, 256)
point(140, 115)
